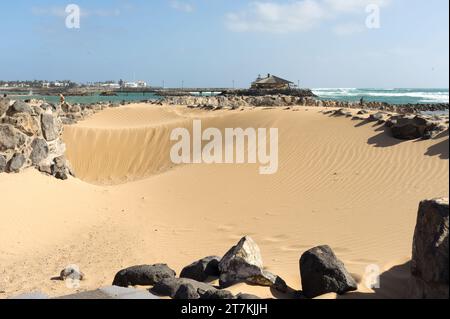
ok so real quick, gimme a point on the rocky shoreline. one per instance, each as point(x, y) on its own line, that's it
point(30, 133)
point(237, 101)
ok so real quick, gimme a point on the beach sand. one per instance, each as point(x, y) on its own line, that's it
point(340, 183)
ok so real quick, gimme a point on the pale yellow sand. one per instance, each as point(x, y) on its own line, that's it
point(349, 186)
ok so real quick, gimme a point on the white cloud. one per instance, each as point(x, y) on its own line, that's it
point(182, 6)
point(299, 15)
point(278, 18)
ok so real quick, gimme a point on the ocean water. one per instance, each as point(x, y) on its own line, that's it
point(89, 99)
point(391, 96)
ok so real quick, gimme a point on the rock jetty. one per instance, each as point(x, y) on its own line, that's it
point(30, 136)
point(280, 100)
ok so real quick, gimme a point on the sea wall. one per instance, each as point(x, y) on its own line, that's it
point(31, 135)
point(237, 101)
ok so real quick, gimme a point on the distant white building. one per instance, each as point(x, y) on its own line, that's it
point(131, 85)
point(46, 85)
point(142, 84)
point(111, 85)
point(135, 85)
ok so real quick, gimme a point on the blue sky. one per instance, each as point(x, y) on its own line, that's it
point(321, 43)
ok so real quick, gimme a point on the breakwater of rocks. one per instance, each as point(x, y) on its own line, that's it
point(237, 101)
point(31, 134)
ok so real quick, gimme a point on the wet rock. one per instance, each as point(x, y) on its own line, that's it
point(322, 272)
point(430, 260)
point(16, 163)
point(143, 275)
point(203, 269)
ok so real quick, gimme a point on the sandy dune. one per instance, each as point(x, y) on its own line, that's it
point(339, 183)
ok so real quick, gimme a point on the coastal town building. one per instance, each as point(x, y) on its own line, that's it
point(271, 82)
point(135, 85)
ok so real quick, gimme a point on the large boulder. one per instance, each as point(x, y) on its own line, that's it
point(169, 287)
point(203, 269)
point(407, 128)
point(322, 272)
point(143, 275)
point(430, 262)
point(243, 263)
point(10, 138)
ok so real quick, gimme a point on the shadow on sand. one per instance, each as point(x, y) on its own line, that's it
point(440, 149)
point(394, 284)
point(384, 139)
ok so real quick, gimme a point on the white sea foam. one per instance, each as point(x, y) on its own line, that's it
point(419, 96)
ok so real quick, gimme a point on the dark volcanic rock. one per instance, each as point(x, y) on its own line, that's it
point(218, 295)
point(144, 275)
point(321, 273)
point(240, 262)
point(247, 297)
point(430, 262)
point(243, 263)
point(169, 286)
point(202, 269)
point(187, 292)
point(407, 128)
